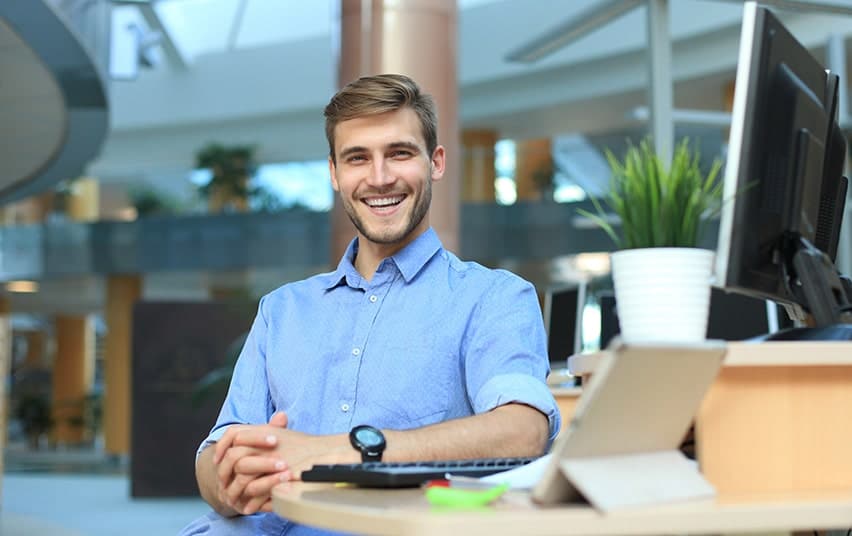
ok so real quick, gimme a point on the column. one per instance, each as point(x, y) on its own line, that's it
point(28, 211)
point(478, 173)
point(661, 87)
point(5, 365)
point(532, 158)
point(84, 201)
point(73, 376)
point(121, 293)
point(387, 36)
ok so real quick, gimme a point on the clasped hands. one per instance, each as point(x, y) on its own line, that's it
point(250, 460)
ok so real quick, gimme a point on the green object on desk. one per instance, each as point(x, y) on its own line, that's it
point(464, 497)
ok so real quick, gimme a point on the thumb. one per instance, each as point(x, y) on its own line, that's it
point(279, 419)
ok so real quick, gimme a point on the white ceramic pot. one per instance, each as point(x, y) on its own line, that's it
point(663, 294)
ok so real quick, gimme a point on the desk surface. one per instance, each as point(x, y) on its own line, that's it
point(401, 512)
point(752, 354)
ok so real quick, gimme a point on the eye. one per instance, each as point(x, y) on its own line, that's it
point(401, 153)
point(356, 159)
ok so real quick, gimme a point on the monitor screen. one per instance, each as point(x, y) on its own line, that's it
point(784, 191)
point(562, 320)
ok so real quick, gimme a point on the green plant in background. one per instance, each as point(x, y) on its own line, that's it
point(33, 412)
point(658, 207)
point(149, 201)
point(231, 169)
point(215, 383)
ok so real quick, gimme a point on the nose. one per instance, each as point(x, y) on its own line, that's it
point(380, 173)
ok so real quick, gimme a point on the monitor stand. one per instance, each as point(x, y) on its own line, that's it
point(827, 295)
point(833, 332)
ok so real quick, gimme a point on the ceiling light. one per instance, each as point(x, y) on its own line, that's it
point(22, 286)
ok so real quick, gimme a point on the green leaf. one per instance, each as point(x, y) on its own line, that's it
point(658, 206)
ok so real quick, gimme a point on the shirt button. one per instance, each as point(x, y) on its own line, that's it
point(356, 351)
point(373, 298)
point(344, 407)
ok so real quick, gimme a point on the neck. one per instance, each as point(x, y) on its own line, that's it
point(370, 254)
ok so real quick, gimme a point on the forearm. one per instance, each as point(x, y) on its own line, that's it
point(509, 430)
point(208, 483)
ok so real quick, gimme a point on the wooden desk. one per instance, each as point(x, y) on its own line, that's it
point(406, 512)
point(566, 400)
point(777, 419)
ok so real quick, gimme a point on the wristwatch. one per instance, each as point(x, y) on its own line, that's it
point(369, 441)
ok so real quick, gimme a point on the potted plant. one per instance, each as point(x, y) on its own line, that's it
point(148, 201)
point(33, 412)
point(231, 168)
point(661, 277)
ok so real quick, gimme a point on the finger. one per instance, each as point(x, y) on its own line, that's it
point(259, 464)
point(225, 442)
point(235, 491)
point(253, 505)
point(256, 436)
point(278, 419)
point(267, 506)
point(225, 471)
point(262, 486)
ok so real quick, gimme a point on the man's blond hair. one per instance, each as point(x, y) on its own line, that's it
point(373, 95)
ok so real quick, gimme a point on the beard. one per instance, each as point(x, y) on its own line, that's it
point(393, 236)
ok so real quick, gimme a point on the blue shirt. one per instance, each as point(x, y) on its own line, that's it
point(429, 338)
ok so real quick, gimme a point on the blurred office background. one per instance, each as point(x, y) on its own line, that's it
point(163, 165)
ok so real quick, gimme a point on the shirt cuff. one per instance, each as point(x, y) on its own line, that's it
point(214, 436)
point(524, 389)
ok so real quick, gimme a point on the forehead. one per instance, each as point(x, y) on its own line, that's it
point(374, 131)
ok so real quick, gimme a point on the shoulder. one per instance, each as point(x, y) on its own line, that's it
point(488, 279)
point(295, 292)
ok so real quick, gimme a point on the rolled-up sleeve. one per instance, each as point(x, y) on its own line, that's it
point(505, 351)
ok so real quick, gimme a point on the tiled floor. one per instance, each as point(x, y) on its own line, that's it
point(48, 494)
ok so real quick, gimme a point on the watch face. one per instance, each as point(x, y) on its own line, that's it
point(368, 437)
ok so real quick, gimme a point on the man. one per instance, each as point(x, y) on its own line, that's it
point(446, 358)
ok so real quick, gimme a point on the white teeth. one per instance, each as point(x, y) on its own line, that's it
point(383, 201)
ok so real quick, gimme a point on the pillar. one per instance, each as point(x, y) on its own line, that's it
point(661, 87)
point(31, 210)
point(5, 367)
point(121, 293)
point(728, 103)
point(73, 376)
point(84, 201)
point(531, 158)
point(478, 173)
point(387, 36)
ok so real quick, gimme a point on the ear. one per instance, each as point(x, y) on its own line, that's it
point(332, 172)
point(438, 163)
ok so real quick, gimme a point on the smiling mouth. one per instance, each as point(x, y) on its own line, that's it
point(385, 202)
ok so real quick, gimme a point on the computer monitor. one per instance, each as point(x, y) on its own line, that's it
point(784, 191)
point(563, 308)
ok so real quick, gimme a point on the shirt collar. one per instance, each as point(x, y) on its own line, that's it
point(413, 257)
point(409, 261)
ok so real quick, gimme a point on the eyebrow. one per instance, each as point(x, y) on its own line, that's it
point(394, 145)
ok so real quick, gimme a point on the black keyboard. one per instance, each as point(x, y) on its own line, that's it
point(408, 474)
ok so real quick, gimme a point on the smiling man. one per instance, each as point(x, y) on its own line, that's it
point(403, 346)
